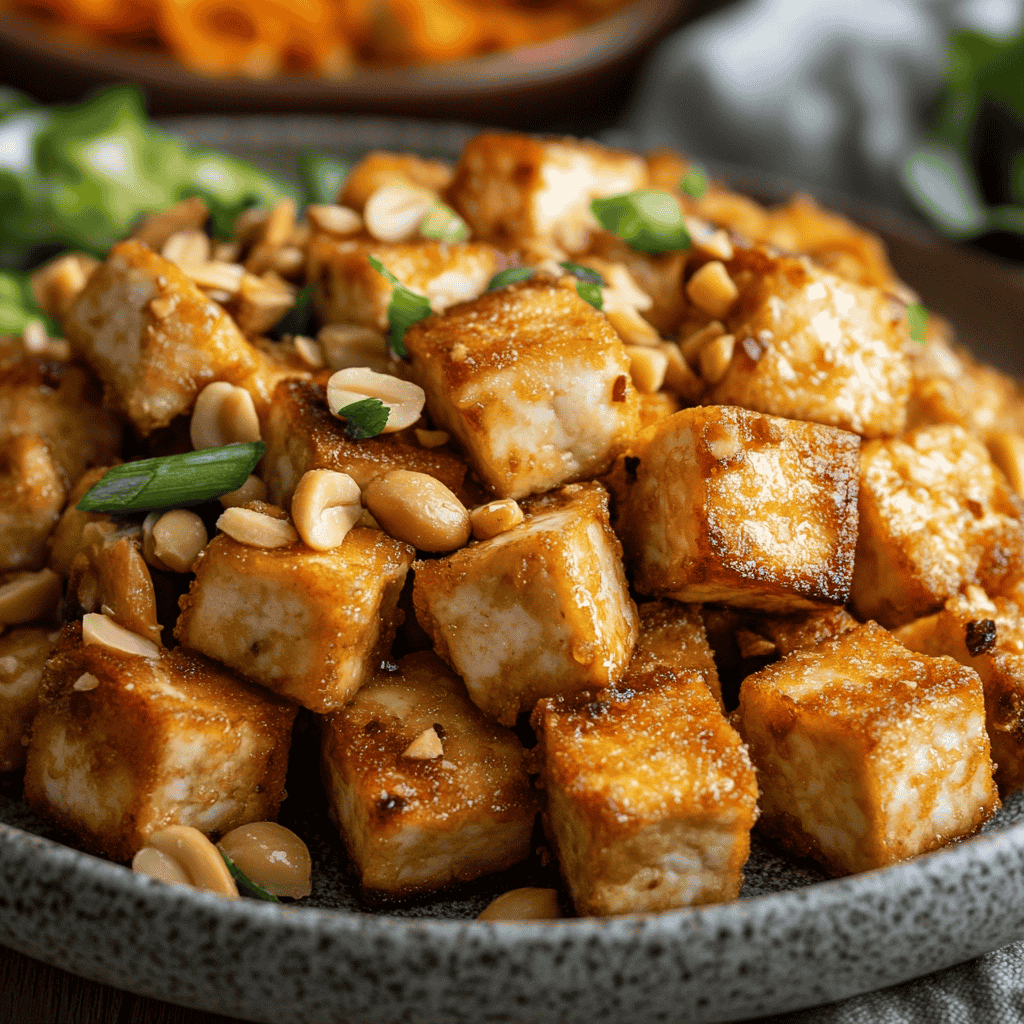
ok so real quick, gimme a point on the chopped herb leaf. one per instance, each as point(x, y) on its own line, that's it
point(582, 273)
point(245, 883)
point(405, 308)
point(917, 320)
point(648, 220)
point(513, 275)
point(365, 418)
point(322, 174)
point(590, 292)
point(442, 224)
point(695, 182)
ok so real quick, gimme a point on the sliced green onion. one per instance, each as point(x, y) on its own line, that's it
point(405, 308)
point(648, 220)
point(365, 418)
point(173, 481)
point(322, 174)
point(442, 224)
point(582, 273)
point(245, 883)
point(917, 321)
point(695, 182)
point(513, 275)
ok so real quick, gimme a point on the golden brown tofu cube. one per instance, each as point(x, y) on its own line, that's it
point(986, 634)
point(419, 812)
point(722, 504)
point(532, 380)
point(153, 338)
point(867, 754)
point(935, 515)
point(378, 169)
point(301, 435)
point(347, 289)
point(124, 746)
point(771, 635)
point(541, 609)
point(813, 346)
point(32, 493)
point(673, 636)
point(309, 625)
point(23, 652)
point(651, 795)
point(511, 188)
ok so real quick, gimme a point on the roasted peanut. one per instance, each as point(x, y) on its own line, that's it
point(528, 904)
point(325, 507)
point(418, 509)
point(404, 400)
point(256, 529)
point(177, 539)
point(394, 212)
point(631, 327)
point(223, 414)
point(220, 277)
point(715, 358)
point(335, 220)
point(348, 345)
point(647, 367)
point(712, 289)
point(56, 284)
point(183, 855)
point(254, 489)
point(104, 631)
point(187, 248)
point(432, 438)
point(495, 517)
point(1007, 451)
point(425, 747)
point(272, 856)
point(692, 344)
point(29, 597)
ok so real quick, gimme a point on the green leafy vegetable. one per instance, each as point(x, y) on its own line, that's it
point(245, 883)
point(648, 220)
point(695, 182)
point(405, 308)
point(917, 321)
point(321, 175)
point(172, 481)
point(443, 224)
point(365, 418)
point(582, 273)
point(18, 306)
point(588, 283)
point(512, 275)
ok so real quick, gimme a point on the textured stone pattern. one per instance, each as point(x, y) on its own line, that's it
point(787, 943)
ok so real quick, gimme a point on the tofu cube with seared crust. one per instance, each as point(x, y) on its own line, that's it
point(650, 794)
point(986, 634)
point(23, 653)
point(309, 625)
point(761, 635)
point(867, 754)
point(513, 188)
point(539, 610)
point(532, 380)
point(935, 515)
point(673, 636)
point(723, 504)
point(348, 290)
point(32, 494)
point(152, 337)
point(425, 790)
point(813, 346)
point(301, 434)
point(123, 746)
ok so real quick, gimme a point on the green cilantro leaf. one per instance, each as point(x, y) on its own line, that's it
point(405, 308)
point(582, 273)
point(917, 320)
point(365, 418)
point(647, 220)
point(513, 275)
point(695, 182)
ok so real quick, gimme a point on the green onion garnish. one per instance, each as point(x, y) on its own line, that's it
point(513, 275)
point(405, 308)
point(173, 481)
point(245, 883)
point(917, 321)
point(588, 283)
point(648, 220)
point(442, 224)
point(582, 273)
point(695, 182)
point(365, 418)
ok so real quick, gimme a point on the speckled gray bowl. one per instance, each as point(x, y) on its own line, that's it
point(792, 940)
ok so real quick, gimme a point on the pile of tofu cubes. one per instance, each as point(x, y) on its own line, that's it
point(769, 566)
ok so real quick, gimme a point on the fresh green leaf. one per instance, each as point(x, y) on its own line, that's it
point(582, 273)
point(245, 883)
point(299, 319)
point(365, 418)
point(322, 175)
point(512, 275)
point(173, 481)
point(695, 182)
point(917, 321)
point(590, 292)
point(18, 306)
point(442, 224)
point(648, 220)
point(405, 308)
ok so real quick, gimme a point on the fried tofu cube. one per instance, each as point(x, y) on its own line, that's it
point(347, 289)
point(867, 754)
point(771, 635)
point(425, 790)
point(512, 188)
point(723, 504)
point(673, 636)
point(541, 609)
point(986, 634)
point(32, 493)
point(23, 653)
point(301, 435)
point(123, 746)
point(813, 346)
point(935, 516)
point(309, 625)
point(379, 168)
point(152, 337)
point(532, 380)
point(650, 792)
